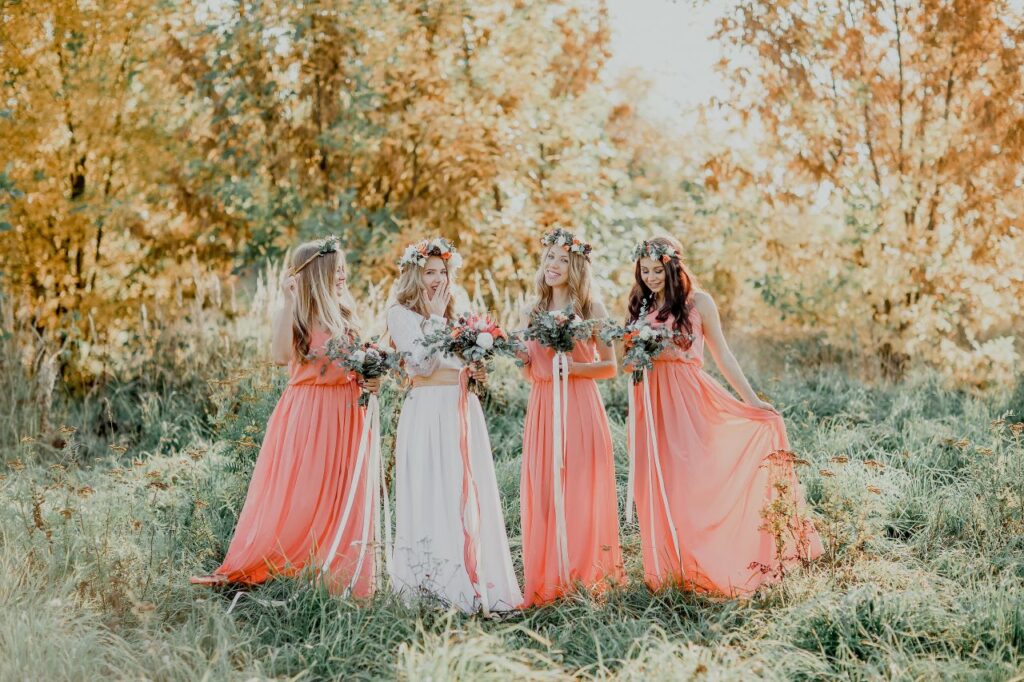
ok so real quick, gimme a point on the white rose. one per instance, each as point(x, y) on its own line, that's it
point(485, 341)
point(359, 356)
point(646, 333)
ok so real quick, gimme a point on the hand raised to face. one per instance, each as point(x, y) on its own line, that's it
point(438, 303)
point(289, 286)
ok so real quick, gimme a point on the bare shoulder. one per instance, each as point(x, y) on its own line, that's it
point(704, 304)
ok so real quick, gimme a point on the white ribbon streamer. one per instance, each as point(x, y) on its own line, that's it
point(630, 452)
point(381, 486)
point(474, 521)
point(652, 439)
point(560, 385)
point(369, 448)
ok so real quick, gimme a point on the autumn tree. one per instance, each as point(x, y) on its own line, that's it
point(892, 134)
point(149, 144)
point(386, 121)
point(90, 232)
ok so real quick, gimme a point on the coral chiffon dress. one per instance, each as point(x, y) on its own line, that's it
point(719, 506)
point(588, 493)
point(304, 472)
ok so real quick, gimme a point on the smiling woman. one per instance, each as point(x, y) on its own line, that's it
point(567, 486)
point(307, 466)
point(719, 504)
point(450, 540)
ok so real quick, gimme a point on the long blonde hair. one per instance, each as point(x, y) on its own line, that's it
point(408, 289)
point(316, 302)
point(580, 288)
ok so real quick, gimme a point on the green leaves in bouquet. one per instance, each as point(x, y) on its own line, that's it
point(367, 359)
point(473, 338)
point(559, 330)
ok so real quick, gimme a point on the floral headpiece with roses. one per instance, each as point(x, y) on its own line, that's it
point(568, 241)
point(655, 251)
point(418, 253)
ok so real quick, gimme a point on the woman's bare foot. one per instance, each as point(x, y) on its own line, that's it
point(208, 580)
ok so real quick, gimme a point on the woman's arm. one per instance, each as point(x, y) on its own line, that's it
point(524, 356)
point(721, 352)
point(281, 340)
point(606, 367)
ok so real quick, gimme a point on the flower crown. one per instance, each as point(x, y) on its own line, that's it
point(328, 244)
point(655, 251)
point(568, 241)
point(418, 253)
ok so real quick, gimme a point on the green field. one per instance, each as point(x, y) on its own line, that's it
point(916, 489)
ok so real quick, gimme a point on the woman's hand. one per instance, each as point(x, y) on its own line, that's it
point(569, 369)
point(757, 402)
point(478, 371)
point(438, 303)
point(370, 385)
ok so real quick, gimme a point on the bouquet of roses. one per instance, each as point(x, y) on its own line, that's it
point(472, 338)
point(559, 330)
point(367, 359)
point(642, 341)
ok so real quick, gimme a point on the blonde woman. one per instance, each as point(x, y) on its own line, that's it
point(450, 540)
point(305, 469)
point(586, 551)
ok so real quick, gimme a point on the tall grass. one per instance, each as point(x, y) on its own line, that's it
point(917, 489)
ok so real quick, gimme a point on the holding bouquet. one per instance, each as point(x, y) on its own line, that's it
point(642, 343)
point(570, 530)
point(474, 339)
point(558, 330)
point(368, 360)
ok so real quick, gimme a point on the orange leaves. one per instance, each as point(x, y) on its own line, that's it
point(901, 161)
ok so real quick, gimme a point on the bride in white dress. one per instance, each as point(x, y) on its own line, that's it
point(455, 552)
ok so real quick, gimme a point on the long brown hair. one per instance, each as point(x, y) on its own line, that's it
point(316, 302)
point(679, 285)
point(580, 286)
point(408, 289)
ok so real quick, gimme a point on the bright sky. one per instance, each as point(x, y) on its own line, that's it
point(668, 42)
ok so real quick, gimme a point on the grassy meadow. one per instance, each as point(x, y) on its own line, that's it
point(132, 486)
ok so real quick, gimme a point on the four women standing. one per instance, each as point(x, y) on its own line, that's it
point(707, 465)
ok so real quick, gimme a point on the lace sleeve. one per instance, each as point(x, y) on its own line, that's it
point(406, 329)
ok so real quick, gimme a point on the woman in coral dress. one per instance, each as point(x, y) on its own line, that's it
point(717, 499)
point(450, 540)
point(305, 471)
point(586, 505)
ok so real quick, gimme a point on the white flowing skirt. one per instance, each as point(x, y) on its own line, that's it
point(429, 542)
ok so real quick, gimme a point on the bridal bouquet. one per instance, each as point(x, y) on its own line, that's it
point(472, 338)
point(367, 359)
point(642, 341)
point(559, 330)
